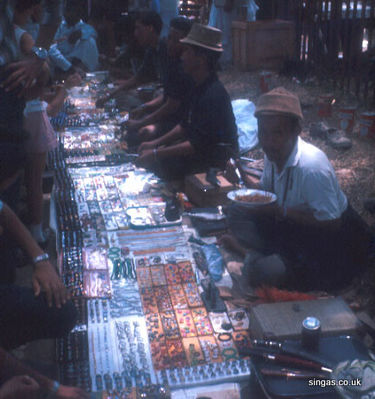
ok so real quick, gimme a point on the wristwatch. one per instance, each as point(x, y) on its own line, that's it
point(40, 258)
point(40, 52)
point(53, 391)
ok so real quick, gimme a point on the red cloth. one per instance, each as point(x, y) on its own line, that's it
point(272, 294)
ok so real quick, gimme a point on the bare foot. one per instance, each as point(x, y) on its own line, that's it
point(230, 242)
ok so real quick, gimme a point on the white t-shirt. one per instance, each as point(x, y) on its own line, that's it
point(311, 180)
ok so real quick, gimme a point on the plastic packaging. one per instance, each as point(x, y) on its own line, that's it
point(247, 124)
point(214, 261)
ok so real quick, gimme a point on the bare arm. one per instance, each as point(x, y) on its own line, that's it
point(10, 367)
point(154, 103)
point(57, 101)
point(44, 277)
point(26, 43)
point(166, 109)
point(12, 225)
point(180, 149)
point(128, 84)
point(177, 133)
point(248, 180)
point(148, 157)
point(150, 106)
point(46, 35)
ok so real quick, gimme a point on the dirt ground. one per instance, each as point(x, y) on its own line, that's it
point(354, 167)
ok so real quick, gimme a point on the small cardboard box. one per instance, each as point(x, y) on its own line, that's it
point(284, 320)
point(202, 193)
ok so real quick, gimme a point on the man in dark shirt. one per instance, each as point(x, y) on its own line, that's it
point(197, 143)
point(147, 33)
point(161, 114)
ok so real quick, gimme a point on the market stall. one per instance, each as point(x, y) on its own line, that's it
point(139, 283)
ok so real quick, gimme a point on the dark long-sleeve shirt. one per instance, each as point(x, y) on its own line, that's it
point(209, 120)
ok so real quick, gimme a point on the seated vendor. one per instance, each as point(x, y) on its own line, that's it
point(26, 314)
point(207, 134)
point(75, 42)
point(157, 117)
point(322, 241)
point(147, 33)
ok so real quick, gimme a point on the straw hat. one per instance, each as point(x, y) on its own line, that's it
point(279, 101)
point(204, 36)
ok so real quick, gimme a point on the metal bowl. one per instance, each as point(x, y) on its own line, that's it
point(232, 195)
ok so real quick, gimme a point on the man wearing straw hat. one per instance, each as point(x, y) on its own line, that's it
point(207, 135)
point(321, 239)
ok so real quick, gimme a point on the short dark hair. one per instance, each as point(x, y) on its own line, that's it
point(182, 24)
point(151, 18)
point(23, 5)
point(211, 56)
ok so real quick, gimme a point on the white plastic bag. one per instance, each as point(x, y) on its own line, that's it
point(252, 9)
point(247, 124)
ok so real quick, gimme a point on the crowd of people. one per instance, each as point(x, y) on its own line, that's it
point(188, 128)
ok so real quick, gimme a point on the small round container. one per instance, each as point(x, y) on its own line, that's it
point(367, 124)
point(265, 81)
point(346, 118)
point(325, 105)
point(310, 334)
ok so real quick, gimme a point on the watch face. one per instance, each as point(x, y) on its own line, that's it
point(40, 52)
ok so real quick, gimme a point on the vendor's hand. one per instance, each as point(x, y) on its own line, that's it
point(138, 112)
point(65, 392)
point(230, 172)
point(147, 145)
point(74, 36)
point(101, 101)
point(230, 242)
point(72, 80)
point(20, 387)
point(119, 82)
point(146, 159)
point(132, 124)
point(45, 278)
point(22, 74)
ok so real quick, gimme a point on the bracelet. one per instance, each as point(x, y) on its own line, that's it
point(223, 337)
point(40, 258)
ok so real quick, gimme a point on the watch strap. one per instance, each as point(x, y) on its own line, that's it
point(40, 258)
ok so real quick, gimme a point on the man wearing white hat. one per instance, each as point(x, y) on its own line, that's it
point(320, 237)
point(208, 126)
